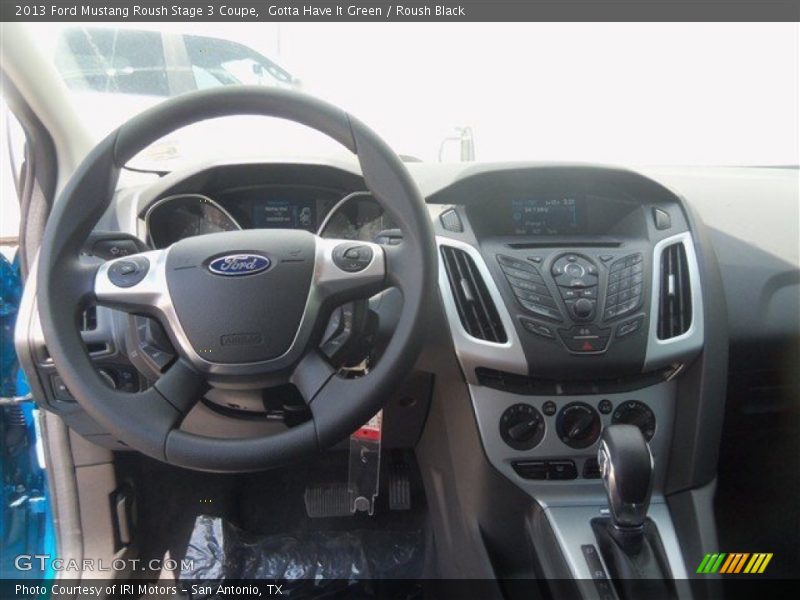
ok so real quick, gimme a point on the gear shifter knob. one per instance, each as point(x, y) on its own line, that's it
point(626, 466)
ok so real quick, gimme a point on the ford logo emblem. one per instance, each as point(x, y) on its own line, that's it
point(234, 265)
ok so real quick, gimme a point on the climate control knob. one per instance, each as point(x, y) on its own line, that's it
point(633, 412)
point(522, 426)
point(578, 425)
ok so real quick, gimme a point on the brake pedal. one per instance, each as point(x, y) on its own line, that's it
point(328, 500)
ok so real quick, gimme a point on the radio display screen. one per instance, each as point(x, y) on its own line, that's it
point(546, 216)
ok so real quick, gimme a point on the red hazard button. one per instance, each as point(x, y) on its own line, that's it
point(585, 339)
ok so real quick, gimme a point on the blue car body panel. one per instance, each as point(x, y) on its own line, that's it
point(26, 520)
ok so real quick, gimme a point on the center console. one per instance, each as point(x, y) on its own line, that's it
point(574, 304)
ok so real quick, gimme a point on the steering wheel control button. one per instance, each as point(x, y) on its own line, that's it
point(128, 272)
point(352, 258)
point(60, 390)
point(625, 286)
point(578, 425)
point(537, 328)
point(633, 412)
point(583, 339)
point(153, 345)
point(522, 426)
point(605, 406)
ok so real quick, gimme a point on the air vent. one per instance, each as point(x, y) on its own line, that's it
point(675, 302)
point(476, 309)
point(89, 319)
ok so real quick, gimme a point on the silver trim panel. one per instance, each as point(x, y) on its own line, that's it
point(661, 353)
point(471, 351)
point(152, 295)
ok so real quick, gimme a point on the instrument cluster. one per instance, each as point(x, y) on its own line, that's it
point(355, 216)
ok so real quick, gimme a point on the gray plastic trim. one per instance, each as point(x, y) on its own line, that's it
point(471, 351)
point(663, 352)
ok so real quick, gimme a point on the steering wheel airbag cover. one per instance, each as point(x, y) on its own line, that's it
point(235, 321)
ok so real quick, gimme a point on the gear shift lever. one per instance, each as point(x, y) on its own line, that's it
point(629, 542)
point(626, 466)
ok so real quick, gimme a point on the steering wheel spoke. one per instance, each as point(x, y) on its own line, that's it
point(311, 375)
point(182, 386)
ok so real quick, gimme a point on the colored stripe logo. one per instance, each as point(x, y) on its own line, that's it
point(734, 563)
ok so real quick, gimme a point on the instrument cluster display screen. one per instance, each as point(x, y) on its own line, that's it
point(546, 216)
point(277, 213)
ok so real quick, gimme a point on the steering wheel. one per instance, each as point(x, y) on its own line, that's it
point(242, 308)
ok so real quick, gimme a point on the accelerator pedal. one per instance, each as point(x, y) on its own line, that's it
point(327, 500)
point(399, 487)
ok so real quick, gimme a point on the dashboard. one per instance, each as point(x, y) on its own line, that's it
point(572, 298)
point(574, 295)
point(329, 213)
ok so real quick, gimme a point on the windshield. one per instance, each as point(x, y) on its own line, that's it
point(657, 94)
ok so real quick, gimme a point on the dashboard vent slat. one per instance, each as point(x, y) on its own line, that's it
point(674, 303)
point(475, 307)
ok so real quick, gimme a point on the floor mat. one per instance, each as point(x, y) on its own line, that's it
point(218, 550)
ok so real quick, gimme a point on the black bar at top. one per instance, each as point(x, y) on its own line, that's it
point(415, 10)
